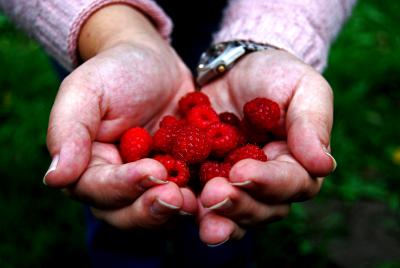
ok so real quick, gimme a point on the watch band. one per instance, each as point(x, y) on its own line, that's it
point(221, 57)
point(252, 46)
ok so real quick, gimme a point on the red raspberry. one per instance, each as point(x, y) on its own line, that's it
point(210, 170)
point(247, 151)
point(164, 138)
point(242, 138)
point(262, 113)
point(191, 100)
point(202, 116)
point(223, 138)
point(171, 121)
point(135, 144)
point(167, 160)
point(178, 171)
point(191, 145)
point(252, 134)
point(229, 118)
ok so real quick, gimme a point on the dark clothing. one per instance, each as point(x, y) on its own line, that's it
point(193, 31)
point(179, 246)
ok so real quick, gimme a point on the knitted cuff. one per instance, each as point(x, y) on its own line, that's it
point(303, 28)
point(58, 24)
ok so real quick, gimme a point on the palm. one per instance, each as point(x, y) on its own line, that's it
point(295, 161)
point(122, 87)
point(134, 87)
point(258, 75)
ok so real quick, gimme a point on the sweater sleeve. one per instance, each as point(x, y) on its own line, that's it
point(56, 24)
point(304, 28)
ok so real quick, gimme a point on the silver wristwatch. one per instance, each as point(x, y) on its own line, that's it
point(221, 57)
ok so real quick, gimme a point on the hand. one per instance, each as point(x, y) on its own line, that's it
point(131, 77)
point(258, 192)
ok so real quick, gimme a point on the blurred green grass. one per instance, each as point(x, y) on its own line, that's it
point(39, 227)
point(364, 72)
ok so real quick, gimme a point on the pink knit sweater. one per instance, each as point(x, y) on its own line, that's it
point(305, 28)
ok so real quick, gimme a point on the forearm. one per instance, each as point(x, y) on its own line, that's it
point(112, 25)
point(304, 28)
point(57, 24)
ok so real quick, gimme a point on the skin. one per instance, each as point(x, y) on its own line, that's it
point(129, 77)
point(258, 192)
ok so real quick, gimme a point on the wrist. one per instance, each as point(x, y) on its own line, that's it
point(114, 25)
point(221, 57)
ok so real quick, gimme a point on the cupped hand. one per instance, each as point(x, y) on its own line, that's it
point(123, 86)
point(132, 195)
point(258, 192)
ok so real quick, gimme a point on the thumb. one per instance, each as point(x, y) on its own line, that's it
point(73, 124)
point(309, 124)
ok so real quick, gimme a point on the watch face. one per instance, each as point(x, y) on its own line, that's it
point(211, 54)
point(221, 57)
point(217, 60)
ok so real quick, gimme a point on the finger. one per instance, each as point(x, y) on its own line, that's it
point(189, 206)
point(107, 183)
point(152, 209)
point(280, 180)
point(309, 122)
point(224, 199)
point(74, 120)
point(215, 229)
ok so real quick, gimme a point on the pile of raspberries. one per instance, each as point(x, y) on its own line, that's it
point(201, 144)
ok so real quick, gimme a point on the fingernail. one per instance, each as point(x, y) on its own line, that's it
point(333, 159)
point(162, 207)
point(241, 183)
point(156, 180)
point(52, 167)
point(184, 213)
point(219, 244)
point(224, 204)
point(151, 181)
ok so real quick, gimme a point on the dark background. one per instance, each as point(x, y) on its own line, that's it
point(353, 222)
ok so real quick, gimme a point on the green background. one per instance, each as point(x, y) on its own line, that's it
point(353, 222)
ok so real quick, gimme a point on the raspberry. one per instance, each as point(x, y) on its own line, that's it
point(171, 121)
point(252, 134)
point(210, 169)
point(164, 138)
point(247, 151)
point(135, 144)
point(202, 116)
point(242, 138)
point(191, 100)
point(178, 171)
point(223, 138)
point(262, 113)
point(167, 161)
point(191, 145)
point(229, 118)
